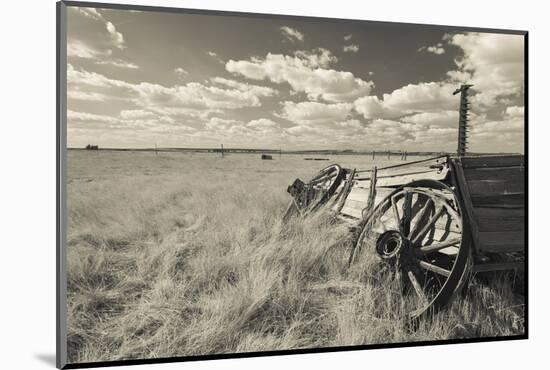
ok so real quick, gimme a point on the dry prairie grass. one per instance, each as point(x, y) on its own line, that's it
point(176, 255)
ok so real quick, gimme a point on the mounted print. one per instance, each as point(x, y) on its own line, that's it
point(234, 184)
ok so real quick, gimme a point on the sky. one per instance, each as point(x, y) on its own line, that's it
point(136, 79)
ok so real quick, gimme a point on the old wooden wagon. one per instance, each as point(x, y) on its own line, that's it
point(436, 221)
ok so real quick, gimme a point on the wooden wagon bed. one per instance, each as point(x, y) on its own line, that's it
point(491, 187)
point(438, 220)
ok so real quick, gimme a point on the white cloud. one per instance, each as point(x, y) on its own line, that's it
point(85, 96)
point(459, 76)
point(263, 124)
point(392, 130)
point(371, 107)
point(311, 113)
point(316, 58)
point(192, 95)
point(128, 121)
point(245, 87)
point(292, 34)
point(494, 62)
point(118, 63)
point(434, 119)
point(426, 114)
point(329, 84)
point(423, 97)
point(73, 116)
point(498, 135)
point(136, 114)
point(212, 54)
point(514, 112)
point(116, 37)
point(80, 49)
point(217, 123)
point(91, 13)
point(435, 49)
point(181, 72)
point(351, 48)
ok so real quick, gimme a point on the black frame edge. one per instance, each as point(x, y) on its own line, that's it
point(61, 119)
point(526, 176)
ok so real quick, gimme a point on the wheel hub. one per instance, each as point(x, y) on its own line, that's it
point(392, 245)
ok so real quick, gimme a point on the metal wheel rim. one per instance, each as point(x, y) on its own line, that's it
point(461, 266)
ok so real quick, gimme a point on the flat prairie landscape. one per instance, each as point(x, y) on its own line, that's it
point(181, 254)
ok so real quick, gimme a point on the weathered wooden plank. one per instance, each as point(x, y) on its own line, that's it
point(464, 195)
point(409, 166)
point(447, 222)
point(381, 194)
point(449, 251)
point(344, 189)
point(485, 188)
point(496, 219)
point(498, 266)
point(493, 161)
point(404, 179)
point(350, 211)
point(360, 194)
point(495, 173)
point(501, 241)
point(351, 222)
point(416, 166)
point(510, 200)
point(438, 235)
point(360, 205)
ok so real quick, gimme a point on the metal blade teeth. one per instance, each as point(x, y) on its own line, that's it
point(464, 119)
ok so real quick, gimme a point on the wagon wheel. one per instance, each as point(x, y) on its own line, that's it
point(418, 231)
point(318, 191)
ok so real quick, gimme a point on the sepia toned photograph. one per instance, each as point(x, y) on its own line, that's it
point(237, 184)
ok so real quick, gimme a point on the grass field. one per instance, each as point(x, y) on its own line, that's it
point(185, 254)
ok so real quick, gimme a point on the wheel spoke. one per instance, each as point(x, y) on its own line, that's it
point(416, 285)
point(428, 225)
point(423, 213)
point(438, 246)
point(396, 213)
point(433, 268)
point(407, 214)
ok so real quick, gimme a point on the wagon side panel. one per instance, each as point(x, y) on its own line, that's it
point(387, 180)
point(497, 195)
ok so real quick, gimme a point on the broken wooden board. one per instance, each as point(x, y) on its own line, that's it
point(358, 199)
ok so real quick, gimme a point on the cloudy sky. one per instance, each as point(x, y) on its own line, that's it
point(136, 79)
